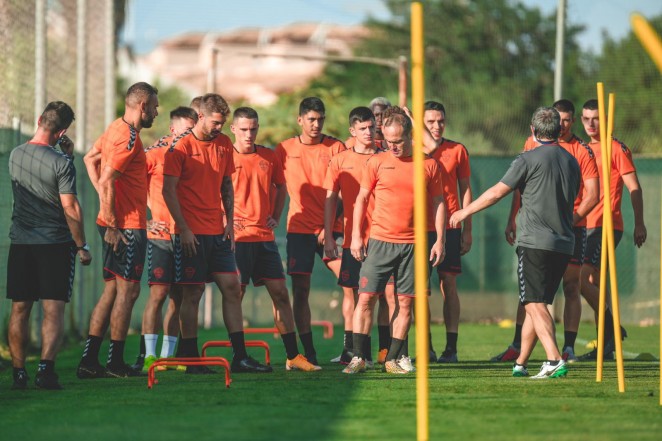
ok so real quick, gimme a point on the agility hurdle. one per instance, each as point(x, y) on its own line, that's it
point(249, 344)
point(188, 361)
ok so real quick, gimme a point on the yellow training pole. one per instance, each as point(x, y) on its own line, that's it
point(650, 40)
point(420, 225)
point(615, 310)
point(606, 202)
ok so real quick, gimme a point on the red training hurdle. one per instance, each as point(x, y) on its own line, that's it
point(188, 361)
point(249, 344)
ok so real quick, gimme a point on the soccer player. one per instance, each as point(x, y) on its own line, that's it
point(159, 246)
point(197, 179)
point(586, 200)
point(548, 179)
point(344, 177)
point(623, 171)
point(116, 166)
point(456, 172)
point(390, 249)
point(305, 159)
point(46, 235)
point(257, 172)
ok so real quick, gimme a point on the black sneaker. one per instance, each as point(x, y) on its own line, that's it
point(139, 364)
point(249, 364)
point(608, 354)
point(20, 380)
point(121, 371)
point(199, 370)
point(47, 380)
point(89, 371)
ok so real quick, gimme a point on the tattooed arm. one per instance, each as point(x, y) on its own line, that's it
point(227, 195)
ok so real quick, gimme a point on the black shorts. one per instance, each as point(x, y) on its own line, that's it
point(580, 247)
point(594, 245)
point(160, 262)
point(539, 273)
point(350, 269)
point(258, 261)
point(214, 256)
point(384, 260)
point(301, 250)
point(452, 263)
point(37, 272)
point(129, 260)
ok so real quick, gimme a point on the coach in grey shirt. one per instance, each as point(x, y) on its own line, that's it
point(46, 235)
point(548, 178)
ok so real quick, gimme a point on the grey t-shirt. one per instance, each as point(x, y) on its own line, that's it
point(548, 178)
point(39, 175)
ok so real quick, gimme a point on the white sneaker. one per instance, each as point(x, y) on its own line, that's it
point(405, 363)
point(355, 366)
point(549, 371)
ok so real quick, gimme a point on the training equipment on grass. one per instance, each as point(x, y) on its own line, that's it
point(188, 361)
point(249, 344)
point(327, 325)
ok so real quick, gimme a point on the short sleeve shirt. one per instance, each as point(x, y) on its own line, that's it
point(305, 169)
point(621, 164)
point(392, 181)
point(253, 180)
point(548, 180)
point(454, 160)
point(39, 175)
point(122, 150)
point(200, 167)
point(155, 156)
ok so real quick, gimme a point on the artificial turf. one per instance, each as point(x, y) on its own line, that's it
point(474, 399)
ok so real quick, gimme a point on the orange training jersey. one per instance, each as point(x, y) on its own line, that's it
point(621, 164)
point(157, 206)
point(200, 166)
point(122, 150)
point(253, 179)
point(392, 181)
point(305, 168)
point(454, 160)
point(586, 159)
point(344, 176)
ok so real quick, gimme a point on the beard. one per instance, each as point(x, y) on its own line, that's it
point(147, 122)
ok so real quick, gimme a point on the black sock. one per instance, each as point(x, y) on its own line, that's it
point(19, 371)
point(396, 349)
point(609, 326)
point(238, 345)
point(46, 366)
point(517, 341)
point(290, 342)
point(348, 341)
point(384, 336)
point(116, 353)
point(178, 351)
point(359, 344)
point(91, 351)
point(553, 362)
point(451, 342)
point(142, 346)
point(307, 342)
point(570, 338)
point(405, 347)
point(367, 348)
point(430, 341)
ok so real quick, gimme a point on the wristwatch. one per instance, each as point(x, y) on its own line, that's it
point(85, 247)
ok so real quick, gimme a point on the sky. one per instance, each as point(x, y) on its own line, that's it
point(150, 21)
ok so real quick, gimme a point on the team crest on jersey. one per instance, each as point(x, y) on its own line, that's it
point(264, 165)
point(344, 276)
point(138, 269)
point(189, 272)
point(363, 282)
point(158, 272)
point(292, 262)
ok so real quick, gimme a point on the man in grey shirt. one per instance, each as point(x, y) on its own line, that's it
point(548, 179)
point(46, 235)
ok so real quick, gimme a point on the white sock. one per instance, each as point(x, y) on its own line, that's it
point(150, 344)
point(168, 347)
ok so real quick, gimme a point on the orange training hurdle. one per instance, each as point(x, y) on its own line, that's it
point(249, 344)
point(273, 331)
point(188, 361)
point(328, 327)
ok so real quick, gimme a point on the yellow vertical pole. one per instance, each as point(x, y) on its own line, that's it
point(650, 40)
point(420, 224)
point(612, 260)
point(603, 255)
